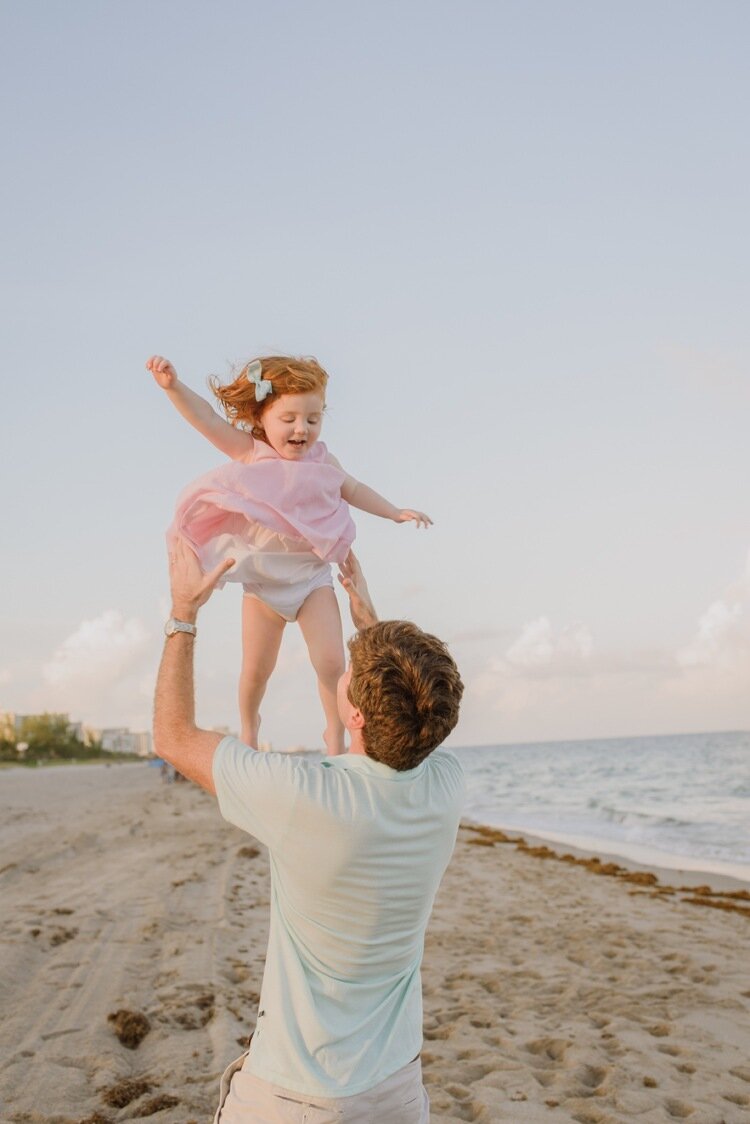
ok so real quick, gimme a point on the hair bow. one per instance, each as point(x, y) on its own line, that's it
point(253, 374)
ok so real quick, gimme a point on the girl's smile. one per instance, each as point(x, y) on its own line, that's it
point(292, 423)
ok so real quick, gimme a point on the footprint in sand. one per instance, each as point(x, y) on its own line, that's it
point(679, 1110)
point(190, 1008)
point(553, 1049)
point(592, 1077)
point(740, 1099)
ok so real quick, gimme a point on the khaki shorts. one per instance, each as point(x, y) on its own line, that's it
point(244, 1099)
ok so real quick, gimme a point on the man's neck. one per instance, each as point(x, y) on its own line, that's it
point(357, 744)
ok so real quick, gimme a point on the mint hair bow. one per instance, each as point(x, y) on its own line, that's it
point(254, 374)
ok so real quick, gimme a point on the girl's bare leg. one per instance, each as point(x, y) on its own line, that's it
point(320, 621)
point(262, 629)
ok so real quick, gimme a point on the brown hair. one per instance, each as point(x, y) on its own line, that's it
point(286, 373)
point(407, 686)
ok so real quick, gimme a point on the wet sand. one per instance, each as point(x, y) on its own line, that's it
point(133, 937)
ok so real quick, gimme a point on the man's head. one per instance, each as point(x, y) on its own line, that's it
point(406, 686)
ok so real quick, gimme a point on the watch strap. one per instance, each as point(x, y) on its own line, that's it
point(174, 626)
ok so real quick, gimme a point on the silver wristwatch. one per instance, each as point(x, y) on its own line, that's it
point(172, 626)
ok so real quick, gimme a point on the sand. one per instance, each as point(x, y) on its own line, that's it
point(134, 930)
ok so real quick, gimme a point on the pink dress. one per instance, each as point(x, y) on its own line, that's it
point(282, 521)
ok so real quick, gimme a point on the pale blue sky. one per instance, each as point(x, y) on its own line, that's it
point(514, 233)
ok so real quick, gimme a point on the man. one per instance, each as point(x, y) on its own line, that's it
point(357, 844)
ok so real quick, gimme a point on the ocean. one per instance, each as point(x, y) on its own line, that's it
point(677, 801)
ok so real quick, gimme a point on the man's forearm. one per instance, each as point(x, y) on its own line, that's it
point(174, 705)
point(176, 737)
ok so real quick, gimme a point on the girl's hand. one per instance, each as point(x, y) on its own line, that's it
point(163, 372)
point(418, 517)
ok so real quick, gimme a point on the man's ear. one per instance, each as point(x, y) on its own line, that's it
point(356, 720)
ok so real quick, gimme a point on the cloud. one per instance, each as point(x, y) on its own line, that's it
point(537, 646)
point(552, 683)
point(719, 638)
point(721, 641)
point(536, 664)
point(100, 651)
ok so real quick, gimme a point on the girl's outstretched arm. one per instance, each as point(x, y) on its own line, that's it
point(367, 499)
point(235, 443)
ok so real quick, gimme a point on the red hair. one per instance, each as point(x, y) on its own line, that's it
point(287, 375)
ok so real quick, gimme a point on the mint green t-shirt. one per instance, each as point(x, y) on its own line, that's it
point(357, 852)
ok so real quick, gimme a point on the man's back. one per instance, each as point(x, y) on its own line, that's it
point(357, 853)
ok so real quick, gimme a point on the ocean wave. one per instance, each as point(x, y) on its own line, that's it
point(686, 795)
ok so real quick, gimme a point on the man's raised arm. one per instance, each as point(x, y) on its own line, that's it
point(360, 603)
point(176, 737)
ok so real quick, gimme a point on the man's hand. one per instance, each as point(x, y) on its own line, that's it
point(406, 515)
point(163, 372)
point(190, 587)
point(353, 580)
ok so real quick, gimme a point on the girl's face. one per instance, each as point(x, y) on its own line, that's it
point(292, 423)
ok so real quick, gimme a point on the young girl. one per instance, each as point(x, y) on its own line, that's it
point(280, 509)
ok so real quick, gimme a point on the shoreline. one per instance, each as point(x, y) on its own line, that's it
point(726, 876)
point(724, 892)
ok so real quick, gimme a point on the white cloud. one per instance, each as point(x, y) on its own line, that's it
point(534, 646)
point(712, 670)
point(537, 665)
point(538, 646)
point(719, 638)
point(555, 683)
point(100, 651)
point(722, 639)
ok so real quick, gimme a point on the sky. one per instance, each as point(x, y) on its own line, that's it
point(516, 236)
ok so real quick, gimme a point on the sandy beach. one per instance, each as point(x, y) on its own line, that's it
point(133, 938)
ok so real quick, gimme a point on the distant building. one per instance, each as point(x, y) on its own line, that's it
point(119, 739)
point(144, 743)
point(116, 739)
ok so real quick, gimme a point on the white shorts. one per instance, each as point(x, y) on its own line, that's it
point(286, 588)
point(245, 1099)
